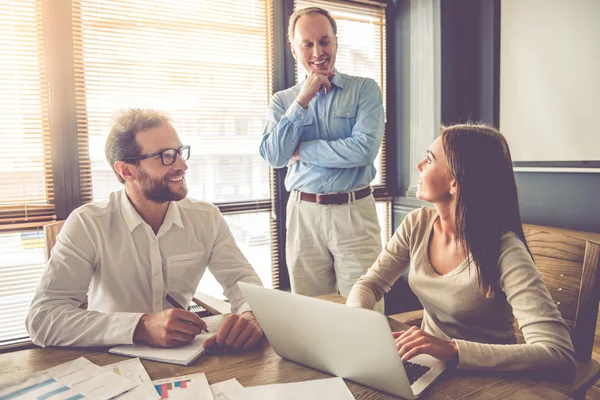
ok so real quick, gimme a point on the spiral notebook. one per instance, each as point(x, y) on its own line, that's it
point(183, 355)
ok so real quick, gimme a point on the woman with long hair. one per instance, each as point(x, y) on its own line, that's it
point(469, 264)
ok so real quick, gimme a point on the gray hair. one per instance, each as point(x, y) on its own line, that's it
point(307, 11)
point(121, 142)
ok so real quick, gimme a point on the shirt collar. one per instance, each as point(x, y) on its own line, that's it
point(133, 219)
point(338, 80)
point(130, 215)
point(173, 217)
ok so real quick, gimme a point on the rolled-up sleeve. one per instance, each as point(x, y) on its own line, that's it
point(283, 130)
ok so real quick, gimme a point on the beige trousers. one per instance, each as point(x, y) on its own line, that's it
point(328, 247)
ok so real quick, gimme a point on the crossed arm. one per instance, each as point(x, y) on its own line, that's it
point(282, 138)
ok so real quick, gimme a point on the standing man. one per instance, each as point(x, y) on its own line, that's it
point(327, 130)
point(140, 253)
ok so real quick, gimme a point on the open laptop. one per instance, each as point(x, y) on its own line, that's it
point(351, 343)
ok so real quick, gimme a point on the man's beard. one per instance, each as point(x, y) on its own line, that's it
point(159, 191)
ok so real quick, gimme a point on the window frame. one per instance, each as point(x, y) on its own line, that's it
point(65, 157)
point(67, 166)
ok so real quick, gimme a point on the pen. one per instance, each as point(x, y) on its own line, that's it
point(175, 304)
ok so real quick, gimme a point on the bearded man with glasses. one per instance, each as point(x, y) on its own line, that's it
point(141, 253)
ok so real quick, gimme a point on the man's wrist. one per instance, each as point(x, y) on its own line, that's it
point(139, 334)
point(302, 101)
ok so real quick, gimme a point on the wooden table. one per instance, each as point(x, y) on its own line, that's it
point(261, 366)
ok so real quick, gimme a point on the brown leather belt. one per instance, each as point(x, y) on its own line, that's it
point(335, 198)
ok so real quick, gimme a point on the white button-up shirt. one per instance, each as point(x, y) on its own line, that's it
point(107, 251)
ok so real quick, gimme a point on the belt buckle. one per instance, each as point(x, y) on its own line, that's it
point(318, 199)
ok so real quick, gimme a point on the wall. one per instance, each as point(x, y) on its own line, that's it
point(469, 64)
point(563, 200)
point(550, 85)
point(469, 90)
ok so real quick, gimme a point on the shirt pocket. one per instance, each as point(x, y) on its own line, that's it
point(345, 118)
point(183, 275)
point(307, 129)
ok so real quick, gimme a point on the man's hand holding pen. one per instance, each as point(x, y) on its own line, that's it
point(168, 328)
point(177, 326)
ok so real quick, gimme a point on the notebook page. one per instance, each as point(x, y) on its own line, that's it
point(184, 355)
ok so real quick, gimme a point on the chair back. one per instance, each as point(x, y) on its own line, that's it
point(569, 267)
point(50, 234)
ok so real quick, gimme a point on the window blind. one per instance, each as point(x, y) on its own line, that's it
point(21, 265)
point(25, 165)
point(361, 33)
point(209, 64)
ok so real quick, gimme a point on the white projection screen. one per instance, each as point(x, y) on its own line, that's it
point(550, 81)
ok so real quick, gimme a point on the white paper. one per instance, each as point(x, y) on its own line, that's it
point(40, 385)
point(226, 390)
point(193, 387)
point(134, 370)
point(183, 355)
point(321, 389)
point(90, 380)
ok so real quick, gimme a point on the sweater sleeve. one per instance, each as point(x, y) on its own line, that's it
point(547, 341)
point(389, 266)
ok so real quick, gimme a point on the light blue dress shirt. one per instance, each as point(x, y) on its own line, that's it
point(339, 133)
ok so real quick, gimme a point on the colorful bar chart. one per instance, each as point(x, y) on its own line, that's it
point(164, 389)
point(193, 387)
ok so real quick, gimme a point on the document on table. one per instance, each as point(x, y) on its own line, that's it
point(321, 389)
point(38, 386)
point(134, 370)
point(90, 380)
point(193, 387)
point(226, 390)
point(72, 380)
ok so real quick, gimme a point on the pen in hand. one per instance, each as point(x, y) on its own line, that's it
point(175, 304)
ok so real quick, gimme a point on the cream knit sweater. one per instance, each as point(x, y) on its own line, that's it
point(455, 309)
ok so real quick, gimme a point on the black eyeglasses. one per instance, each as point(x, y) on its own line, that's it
point(167, 156)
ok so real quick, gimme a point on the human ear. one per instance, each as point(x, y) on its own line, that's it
point(293, 49)
point(453, 187)
point(125, 170)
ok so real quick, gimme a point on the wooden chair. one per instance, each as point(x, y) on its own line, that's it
point(50, 233)
point(212, 305)
point(570, 268)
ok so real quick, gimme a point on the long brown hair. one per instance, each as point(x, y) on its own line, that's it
point(487, 205)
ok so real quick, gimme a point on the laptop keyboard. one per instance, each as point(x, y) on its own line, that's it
point(414, 371)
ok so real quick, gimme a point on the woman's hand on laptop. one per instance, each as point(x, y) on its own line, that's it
point(238, 331)
point(168, 328)
point(416, 341)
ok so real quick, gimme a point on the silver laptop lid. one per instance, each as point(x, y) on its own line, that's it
point(348, 342)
